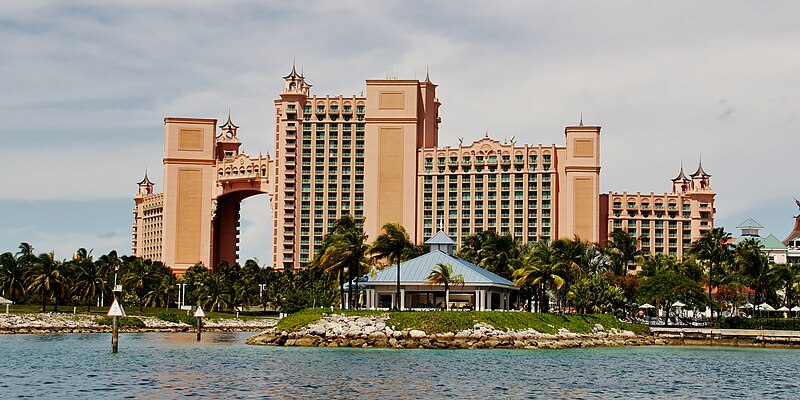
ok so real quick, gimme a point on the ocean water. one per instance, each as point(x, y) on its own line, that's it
point(174, 365)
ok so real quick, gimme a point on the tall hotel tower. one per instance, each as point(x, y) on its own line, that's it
point(375, 157)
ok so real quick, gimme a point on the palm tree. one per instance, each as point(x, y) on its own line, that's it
point(497, 253)
point(570, 261)
point(213, 293)
point(712, 250)
point(47, 279)
point(12, 277)
point(623, 250)
point(89, 277)
point(138, 278)
point(343, 251)
point(539, 268)
point(392, 245)
point(442, 274)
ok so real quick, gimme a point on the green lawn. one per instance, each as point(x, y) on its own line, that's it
point(454, 321)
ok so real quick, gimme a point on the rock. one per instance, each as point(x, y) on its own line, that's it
point(598, 328)
point(416, 334)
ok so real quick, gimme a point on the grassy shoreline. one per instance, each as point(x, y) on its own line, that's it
point(433, 322)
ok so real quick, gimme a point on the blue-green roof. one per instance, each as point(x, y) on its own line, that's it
point(416, 271)
point(772, 243)
point(749, 223)
point(440, 238)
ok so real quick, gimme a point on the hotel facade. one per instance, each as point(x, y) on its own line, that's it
point(377, 157)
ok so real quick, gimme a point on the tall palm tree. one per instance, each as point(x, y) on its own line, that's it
point(47, 279)
point(12, 277)
point(712, 250)
point(442, 274)
point(571, 263)
point(344, 251)
point(392, 245)
point(138, 278)
point(623, 250)
point(89, 277)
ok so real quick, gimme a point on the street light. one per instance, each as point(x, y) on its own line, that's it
point(181, 294)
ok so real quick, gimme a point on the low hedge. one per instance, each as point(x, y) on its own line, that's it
point(123, 322)
point(780, 324)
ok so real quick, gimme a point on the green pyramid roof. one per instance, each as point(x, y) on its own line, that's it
point(772, 243)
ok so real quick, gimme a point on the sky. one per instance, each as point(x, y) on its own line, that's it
point(86, 85)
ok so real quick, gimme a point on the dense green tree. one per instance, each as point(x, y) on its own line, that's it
point(442, 274)
point(667, 287)
point(540, 269)
point(596, 294)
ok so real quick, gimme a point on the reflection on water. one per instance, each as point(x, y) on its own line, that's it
point(155, 365)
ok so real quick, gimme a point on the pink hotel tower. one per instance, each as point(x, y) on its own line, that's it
point(377, 157)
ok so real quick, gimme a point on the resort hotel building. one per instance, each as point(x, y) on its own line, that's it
point(377, 157)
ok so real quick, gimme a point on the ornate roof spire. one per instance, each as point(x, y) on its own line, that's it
point(228, 128)
point(146, 180)
point(700, 172)
point(681, 176)
point(427, 75)
point(581, 123)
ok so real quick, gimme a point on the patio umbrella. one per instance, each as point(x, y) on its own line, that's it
point(795, 309)
point(6, 302)
point(750, 305)
point(678, 304)
point(783, 309)
point(646, 306)
point(765, 307)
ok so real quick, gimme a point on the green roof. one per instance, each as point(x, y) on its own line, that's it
point(772, 243)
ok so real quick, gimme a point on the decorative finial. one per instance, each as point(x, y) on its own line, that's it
point(581, 123)
point(427, 75)
point(486, 134)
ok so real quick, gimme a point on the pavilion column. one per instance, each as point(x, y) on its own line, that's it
point(477, 302)
point(394, 300)
point(488, 297)
point(346, 304)
point(402, 299)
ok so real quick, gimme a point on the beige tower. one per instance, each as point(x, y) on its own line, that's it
point(402, 117)
point(579, 211)
point(189, 159)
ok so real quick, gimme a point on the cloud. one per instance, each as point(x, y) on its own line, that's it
point(92, 82)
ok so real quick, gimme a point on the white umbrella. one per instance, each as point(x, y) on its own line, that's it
point(747, 305)
point(782, 309)
point(6, 302)
point(678, 304)
point(795, 309)
point(646, 306)
point(765, 307)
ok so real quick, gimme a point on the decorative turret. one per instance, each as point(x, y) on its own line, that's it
point(145, 186)
point(295, 84)
point(442, 242)
point(681, 183)
point(700, 179)
point(227, 142)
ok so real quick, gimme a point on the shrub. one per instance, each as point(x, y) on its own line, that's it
point(790, 324)
point(123, 322)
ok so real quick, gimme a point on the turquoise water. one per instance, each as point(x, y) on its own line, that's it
point(152, 365)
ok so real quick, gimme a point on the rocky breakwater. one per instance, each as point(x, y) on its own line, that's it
point(342, 331)
point(82, 323)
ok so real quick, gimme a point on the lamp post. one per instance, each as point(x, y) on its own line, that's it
point(181, 295)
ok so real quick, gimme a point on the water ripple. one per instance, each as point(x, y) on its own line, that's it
point(155, 366)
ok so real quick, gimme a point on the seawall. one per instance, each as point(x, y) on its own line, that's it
point(342, 331)
point(684, 336)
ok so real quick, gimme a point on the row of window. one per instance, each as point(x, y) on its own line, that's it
point(479, 178)
point(491, 159)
